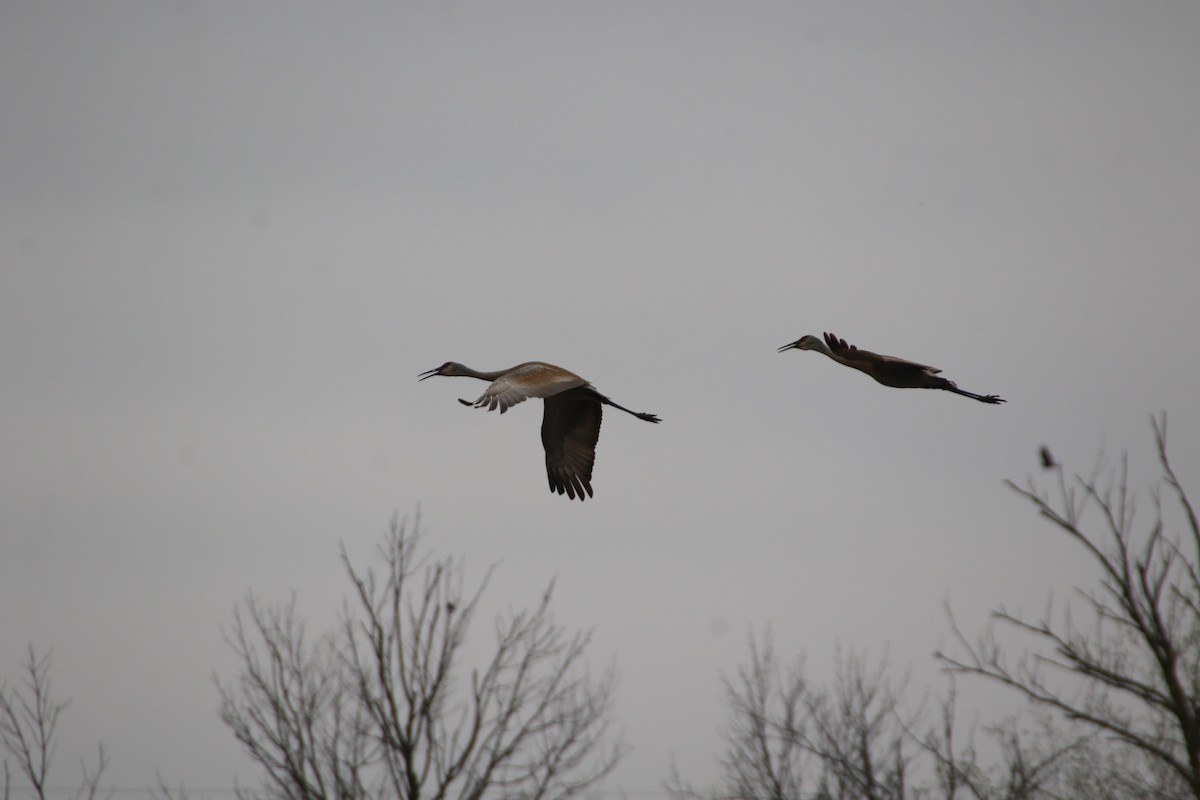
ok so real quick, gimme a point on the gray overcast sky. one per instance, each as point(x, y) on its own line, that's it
point(232, 234)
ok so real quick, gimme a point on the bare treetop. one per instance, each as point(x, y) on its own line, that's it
point(384, 706)
point(1133, 671)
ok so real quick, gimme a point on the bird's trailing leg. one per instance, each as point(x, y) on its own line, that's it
point(639, 414)
point(983, 398)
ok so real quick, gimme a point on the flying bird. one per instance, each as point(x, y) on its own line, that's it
point(570, 419)
point(888, 370)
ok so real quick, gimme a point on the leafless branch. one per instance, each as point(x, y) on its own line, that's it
point(383, 706)
point(29, 729)
point(856, 739)
point(1137, 671)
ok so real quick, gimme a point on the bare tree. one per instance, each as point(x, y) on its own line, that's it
point(29, 732)
point(1042, 760)
point(787, 739)
point(761, 759)
point(383, 706)
point(292, 707)
point(1132, 671)
point(859, 739)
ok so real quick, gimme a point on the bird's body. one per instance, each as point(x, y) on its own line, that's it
point(1047, 457)
point(570, 419)
point(888, 370)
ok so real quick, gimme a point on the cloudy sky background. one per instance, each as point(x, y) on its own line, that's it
point(231, 236)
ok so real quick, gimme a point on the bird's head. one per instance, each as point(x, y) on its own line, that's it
point(804, 343)
point(450, 368)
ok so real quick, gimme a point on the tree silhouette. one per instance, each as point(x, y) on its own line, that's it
point(29, 732)
point(383, 706)
point(858, 738)
point(1132, 671)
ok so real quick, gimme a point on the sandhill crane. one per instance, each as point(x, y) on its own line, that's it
point(570, 421)
point(888, 370)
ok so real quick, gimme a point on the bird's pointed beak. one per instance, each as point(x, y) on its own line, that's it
point(427, 374)
point(788, 346)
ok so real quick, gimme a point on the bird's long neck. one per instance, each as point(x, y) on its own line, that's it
point(483, 376)
point(821, 347)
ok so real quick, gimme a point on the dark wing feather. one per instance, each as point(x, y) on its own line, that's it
point(851, 353)
point(897, 372)
point(570, 430)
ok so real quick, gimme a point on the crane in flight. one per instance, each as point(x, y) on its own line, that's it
point(570, 419)
point(888, 370)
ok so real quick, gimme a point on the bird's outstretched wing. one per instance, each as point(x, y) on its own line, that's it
point(849, 352)
point(570, 430)
point(532, 379)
